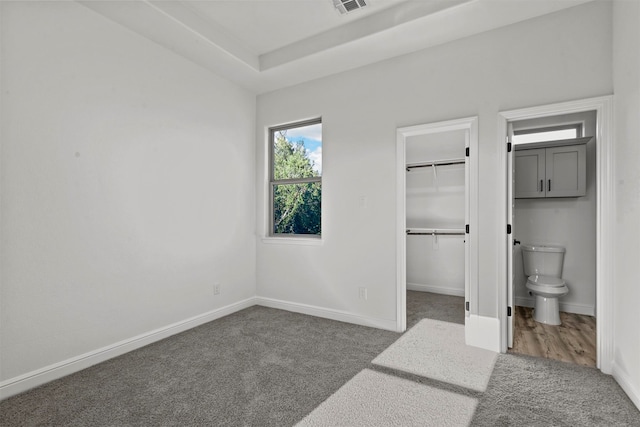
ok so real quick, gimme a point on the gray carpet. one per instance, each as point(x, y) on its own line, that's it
point(378, 399)
point(530, 391)
point(436, 350)
point(426, 305)
point(257, 367)
point(266, 367)
point(438, 371)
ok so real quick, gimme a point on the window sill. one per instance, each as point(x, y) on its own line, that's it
point(304, 241)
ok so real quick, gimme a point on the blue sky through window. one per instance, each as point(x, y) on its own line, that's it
point(311, 136)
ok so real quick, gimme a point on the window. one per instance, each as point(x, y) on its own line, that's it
point(295, 179)
point(555, 133)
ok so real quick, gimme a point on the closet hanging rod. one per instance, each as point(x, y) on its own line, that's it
point(431, 164)
point(421, 232)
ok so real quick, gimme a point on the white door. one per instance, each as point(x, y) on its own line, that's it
point(467, 219)
point(510, 230)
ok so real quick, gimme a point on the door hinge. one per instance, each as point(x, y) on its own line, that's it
point(508, 147)
point(508, 228)
point(509, 311)
point(466, 228)
point(466, 305)
point(466, 152)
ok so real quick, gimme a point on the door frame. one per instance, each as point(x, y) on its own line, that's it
point(510, 247)
point(470, 125)
point(605, 215)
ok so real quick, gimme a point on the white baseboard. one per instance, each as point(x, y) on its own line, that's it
point(588, 310)
point(622, 378)
point(49, 373)
point(327, 313)
point(435, 289)
point(482, 332)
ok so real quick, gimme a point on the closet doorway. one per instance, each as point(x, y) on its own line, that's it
point(437, 205)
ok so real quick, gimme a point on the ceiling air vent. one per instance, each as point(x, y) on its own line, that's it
point(346, 6)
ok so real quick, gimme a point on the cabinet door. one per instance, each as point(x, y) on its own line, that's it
point(530, 173)
point(566, 174)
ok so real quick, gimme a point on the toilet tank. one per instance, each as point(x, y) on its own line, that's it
point(545, 260)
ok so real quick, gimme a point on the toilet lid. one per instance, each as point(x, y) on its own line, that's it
point(545, 280)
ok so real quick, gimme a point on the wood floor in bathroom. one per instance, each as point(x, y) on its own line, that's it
point(573, 341)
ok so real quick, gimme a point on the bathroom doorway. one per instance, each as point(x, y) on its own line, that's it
point(512, 291)
point(553, 202)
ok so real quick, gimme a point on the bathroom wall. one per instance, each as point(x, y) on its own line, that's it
point(435, 198)
point(569, 222)
point(127, 188)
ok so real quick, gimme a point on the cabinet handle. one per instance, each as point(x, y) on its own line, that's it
point(541, 186)
point(549, 189)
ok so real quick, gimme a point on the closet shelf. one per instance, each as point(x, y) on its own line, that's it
point(449, 162)
point(436, 231)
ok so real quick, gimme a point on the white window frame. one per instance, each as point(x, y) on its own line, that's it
point(578, 126)
point(271, 236)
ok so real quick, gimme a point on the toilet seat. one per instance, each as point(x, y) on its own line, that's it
point(539, 280)
point(547, 286)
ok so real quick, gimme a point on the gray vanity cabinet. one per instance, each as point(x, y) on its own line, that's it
point(557, 171)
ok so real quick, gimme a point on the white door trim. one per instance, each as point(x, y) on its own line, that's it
point(470, 124)
point(604, 221)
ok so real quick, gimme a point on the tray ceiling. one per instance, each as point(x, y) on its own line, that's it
point(265, 45)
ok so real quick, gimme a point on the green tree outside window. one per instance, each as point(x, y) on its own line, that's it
point(296, 187)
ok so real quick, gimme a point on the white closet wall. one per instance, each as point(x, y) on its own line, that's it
point(435, 201)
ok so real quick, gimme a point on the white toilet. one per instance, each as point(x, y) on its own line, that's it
point(543, 268)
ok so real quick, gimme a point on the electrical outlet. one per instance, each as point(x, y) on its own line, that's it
point(362, 293)
point(216, 289)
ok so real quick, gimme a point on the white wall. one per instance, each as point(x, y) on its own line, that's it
point(435, 198)
point(626, 80)
point(127, 186)
point(569, 222)
point(558, 57)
